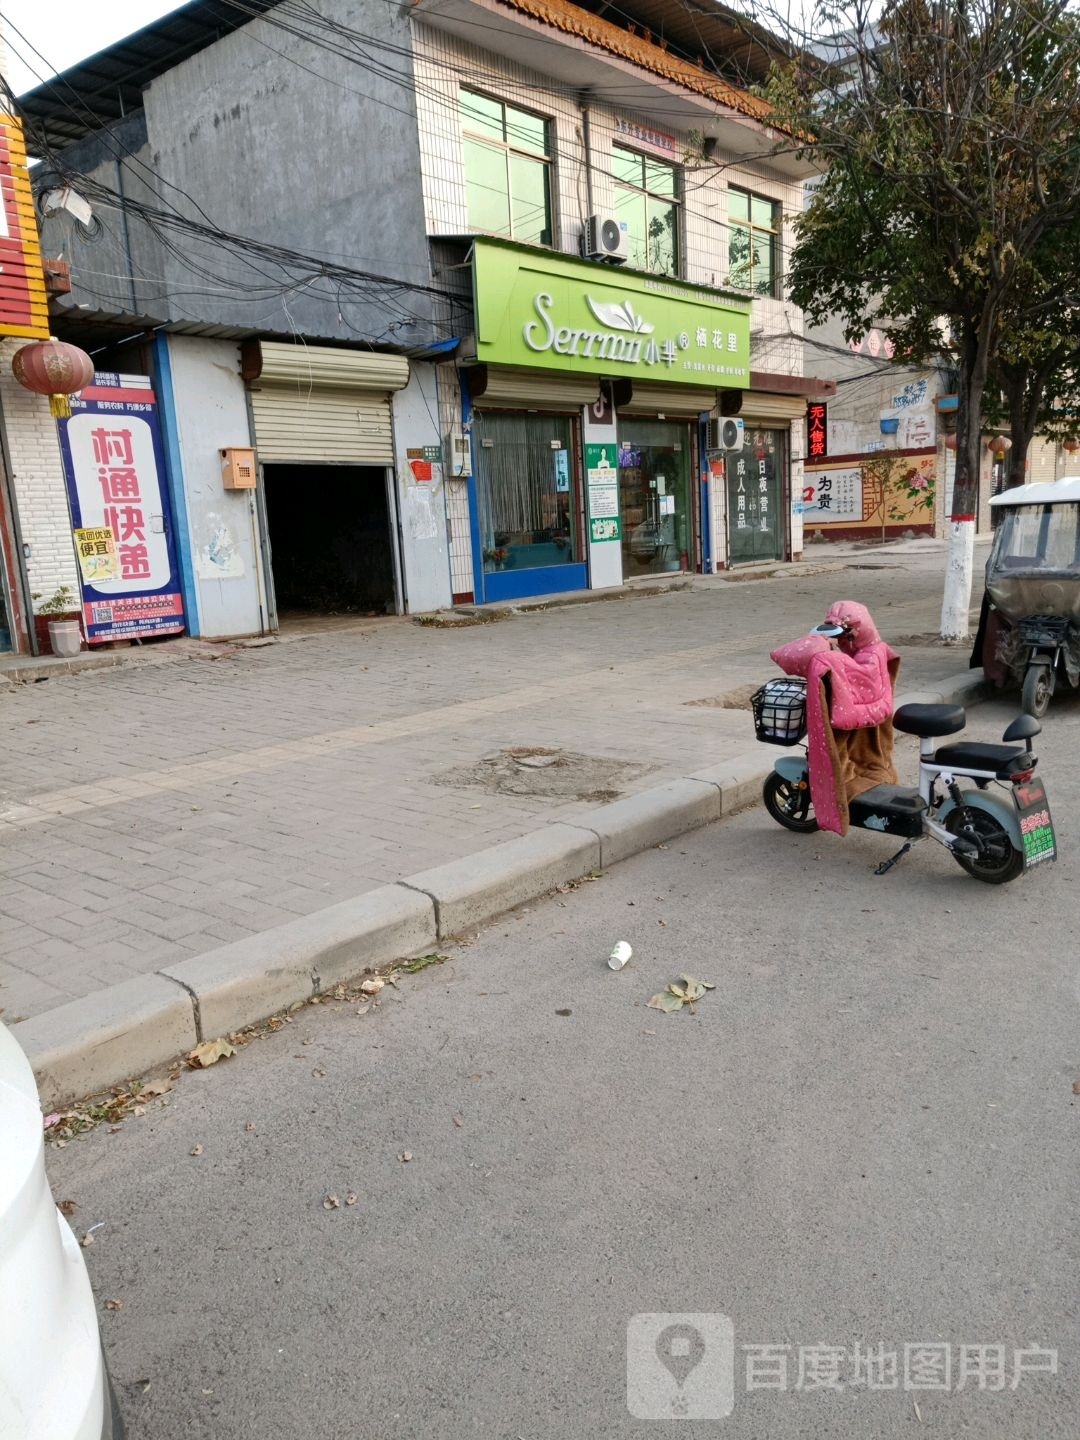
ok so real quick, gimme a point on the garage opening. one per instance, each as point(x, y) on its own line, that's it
point(330, 539)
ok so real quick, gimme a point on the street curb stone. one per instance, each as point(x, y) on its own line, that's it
point(476, 888)
point(82, 1047)
point(637, 822)
point(244, 982)
point(87, 1045)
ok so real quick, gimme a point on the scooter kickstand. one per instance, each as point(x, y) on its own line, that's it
point(886, 865)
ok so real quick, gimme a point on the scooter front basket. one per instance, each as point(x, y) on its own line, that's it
point(780, 711)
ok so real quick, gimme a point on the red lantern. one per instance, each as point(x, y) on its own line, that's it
point(53, 368)
point(950, 442)
point(998, 444)
point(1071, 445)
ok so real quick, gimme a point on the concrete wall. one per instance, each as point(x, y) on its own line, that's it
point(118, 263)
point(421, 504)
point(280, 139)
point(211, 412)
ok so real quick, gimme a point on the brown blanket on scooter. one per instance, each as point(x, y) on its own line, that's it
point(858, 759)
point(849, 704)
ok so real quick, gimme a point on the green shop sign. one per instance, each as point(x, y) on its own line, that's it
point(579, 317)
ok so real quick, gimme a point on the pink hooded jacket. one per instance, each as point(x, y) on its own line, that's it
point(860, 672)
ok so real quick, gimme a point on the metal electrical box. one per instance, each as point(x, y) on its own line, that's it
point(238, 470)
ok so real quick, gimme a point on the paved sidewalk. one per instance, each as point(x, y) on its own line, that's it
point(158, 811)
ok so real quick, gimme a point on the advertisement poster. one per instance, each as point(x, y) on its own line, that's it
point(113, 463)
point(98, 558)
point(603, 490)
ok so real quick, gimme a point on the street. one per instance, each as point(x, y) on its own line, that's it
point(865, 1136)
point(162, 810)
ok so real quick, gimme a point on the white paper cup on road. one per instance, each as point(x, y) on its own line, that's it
point(619, 956)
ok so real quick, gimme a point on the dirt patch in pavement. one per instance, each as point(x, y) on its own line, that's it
point(738, 699)
point(929, 639)
point(538, 772)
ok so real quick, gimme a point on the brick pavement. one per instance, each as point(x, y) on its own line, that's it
point(160, 810)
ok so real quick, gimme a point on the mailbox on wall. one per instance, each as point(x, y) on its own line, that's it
point(238, 470)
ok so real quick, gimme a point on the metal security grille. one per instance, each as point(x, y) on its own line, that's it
point(350, 427)
point(312, 404)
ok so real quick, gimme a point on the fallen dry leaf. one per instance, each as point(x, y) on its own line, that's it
point(114, 1304)
point(250, 1125)
point(319, 1073)
point(196, 1150)
point(67, 1207)
point(363, 1009)
point(372, 987)
point(406, 1156)
point(458, 1121)
point(564, 1012)
point(155, 1087)
point(331, 1202)
point(209, 1053)
point(1076, 1087)
point(677, 995)
point(474, 1077)
point(86, 1240)
point(351, 1198)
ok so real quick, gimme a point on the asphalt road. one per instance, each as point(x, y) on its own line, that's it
point(866, 1135)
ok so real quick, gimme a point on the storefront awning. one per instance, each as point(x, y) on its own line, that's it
point(530, 389)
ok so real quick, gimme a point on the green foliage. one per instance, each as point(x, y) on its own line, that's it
point(947, 137)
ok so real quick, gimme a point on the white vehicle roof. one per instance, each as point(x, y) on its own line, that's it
point(1060, 492)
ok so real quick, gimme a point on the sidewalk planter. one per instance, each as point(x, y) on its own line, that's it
point(65, 637)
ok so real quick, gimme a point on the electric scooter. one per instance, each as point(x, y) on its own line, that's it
point(995, 827)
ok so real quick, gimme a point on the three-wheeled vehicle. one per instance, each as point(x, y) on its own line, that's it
point(1029, 630)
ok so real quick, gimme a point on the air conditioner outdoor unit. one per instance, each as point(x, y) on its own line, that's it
point(606, 239)
point(725, 433)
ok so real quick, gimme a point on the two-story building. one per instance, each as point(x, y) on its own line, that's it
point(469, 277)
point(618, 215)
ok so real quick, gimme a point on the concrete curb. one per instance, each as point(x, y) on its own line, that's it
point(87, 1045)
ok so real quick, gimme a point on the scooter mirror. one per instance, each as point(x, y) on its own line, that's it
point(831, 631)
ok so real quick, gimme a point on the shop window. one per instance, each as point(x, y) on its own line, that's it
point(753, 242)
point(507, 169)
point(525, 491)
point(647, 199)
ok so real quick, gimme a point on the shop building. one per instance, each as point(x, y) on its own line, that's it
point(617, 218)
point(318, 365)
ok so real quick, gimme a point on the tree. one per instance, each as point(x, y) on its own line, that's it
point(1035, 375)
point(949, 136)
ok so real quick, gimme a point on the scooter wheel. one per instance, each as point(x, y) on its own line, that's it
point(1038, 688)
point(789, 804)
point(999, 862)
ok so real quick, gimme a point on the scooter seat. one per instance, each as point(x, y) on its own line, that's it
point(973, 755)
point(930, 721)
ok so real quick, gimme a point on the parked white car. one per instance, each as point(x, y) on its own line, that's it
point(53, 1381)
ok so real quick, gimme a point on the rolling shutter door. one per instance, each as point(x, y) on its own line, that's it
point(348, 427)
point(312, 404)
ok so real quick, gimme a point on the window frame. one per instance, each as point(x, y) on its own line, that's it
point(751, 228)
point(673, 201)
point(508, 150)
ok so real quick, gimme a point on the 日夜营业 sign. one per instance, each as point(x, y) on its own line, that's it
point(24, 308)
point(553, 312)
